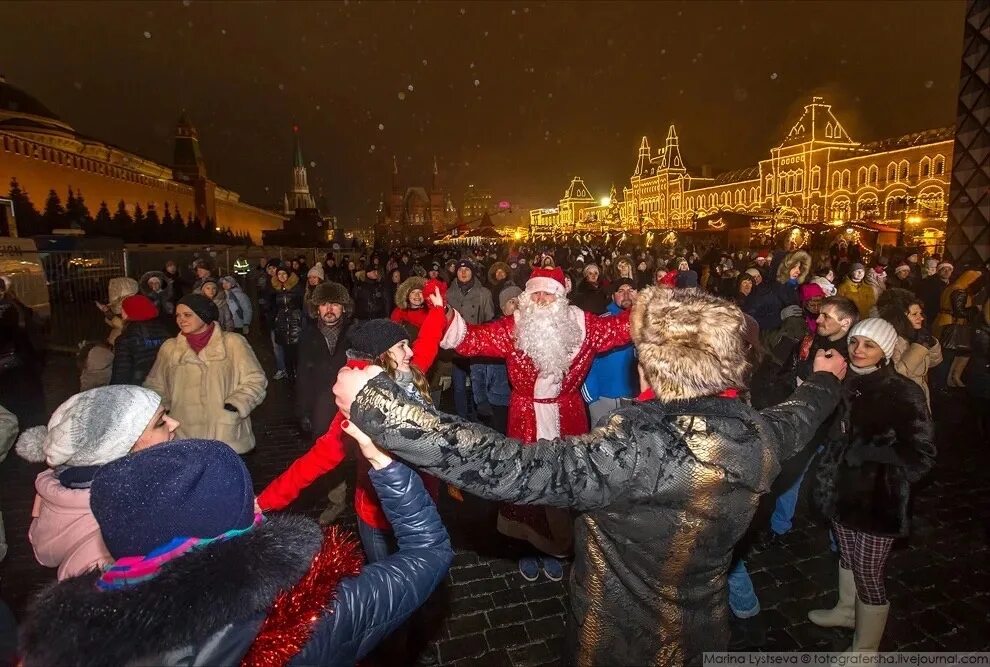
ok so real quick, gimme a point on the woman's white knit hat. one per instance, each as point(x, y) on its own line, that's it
point(91, 428)
point(879, 331)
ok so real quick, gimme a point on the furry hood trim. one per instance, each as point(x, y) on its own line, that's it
point(796, 258)
point(690, 343)
point(405, 287)
point(191, 598)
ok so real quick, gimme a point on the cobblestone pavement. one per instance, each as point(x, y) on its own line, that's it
point(938, 580)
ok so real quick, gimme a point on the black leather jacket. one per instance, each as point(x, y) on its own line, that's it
point(663, 492)
point(288, 314)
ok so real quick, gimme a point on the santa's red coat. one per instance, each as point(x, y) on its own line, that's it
point(497, 339)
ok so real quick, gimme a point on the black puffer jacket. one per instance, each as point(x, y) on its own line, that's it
point(206, 607)
point(663, 491)
point(881, 442)
point(371, 300)
point(287, 310)
point(135, 351)
point(591, 297)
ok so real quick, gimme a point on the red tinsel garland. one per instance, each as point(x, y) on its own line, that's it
point(295, 612)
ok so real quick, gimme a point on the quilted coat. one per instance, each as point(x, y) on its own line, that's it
point(206, 607)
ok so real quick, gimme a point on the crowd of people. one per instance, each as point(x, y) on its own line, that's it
point(651, 415)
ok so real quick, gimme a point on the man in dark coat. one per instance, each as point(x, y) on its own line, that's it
point(322, 353)
point(664, 488)
point(370, 301)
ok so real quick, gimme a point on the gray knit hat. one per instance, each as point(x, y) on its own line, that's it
point(91, 428)
point(510, 292)
point(879, 331)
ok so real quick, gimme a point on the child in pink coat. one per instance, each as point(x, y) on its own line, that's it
point(90, 429)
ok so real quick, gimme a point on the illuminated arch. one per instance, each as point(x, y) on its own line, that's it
point(874, 175)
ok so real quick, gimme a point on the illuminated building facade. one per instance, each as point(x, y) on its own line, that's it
point(414, 213)
point(477, 202)
point(817, 174)
point(45, 153)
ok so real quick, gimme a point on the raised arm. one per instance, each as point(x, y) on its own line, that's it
point(369, 607)
point(493, 339)
point(427, 344)
point(607, 332)
point(325, 455)
point(795, 421)
point(581, 472)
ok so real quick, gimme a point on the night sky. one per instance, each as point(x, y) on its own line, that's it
point(514, 97)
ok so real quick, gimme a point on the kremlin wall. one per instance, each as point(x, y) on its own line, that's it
point(43, 153)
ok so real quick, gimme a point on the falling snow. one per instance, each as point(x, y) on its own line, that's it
point(477, 82)
point(463, 11)
point(773, 76)
point(381, 126)
point(147, 35)
point(929, 83)
point(281, 86)
point(410, 87)
point(425, 62)
point(223, 31)
point(312, 164)
point(402, 95)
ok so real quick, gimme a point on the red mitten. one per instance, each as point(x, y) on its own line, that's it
point(435, 287)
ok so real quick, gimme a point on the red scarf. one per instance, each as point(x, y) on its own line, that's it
point(290, 621)
point(648, 395)
point(198, 341)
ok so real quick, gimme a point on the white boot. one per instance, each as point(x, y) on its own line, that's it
point(871, 619)
point(843, 614)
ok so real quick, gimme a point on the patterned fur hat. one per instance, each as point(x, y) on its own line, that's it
point(690, 343)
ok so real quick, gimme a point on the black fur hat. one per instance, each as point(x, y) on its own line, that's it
point(331, 292)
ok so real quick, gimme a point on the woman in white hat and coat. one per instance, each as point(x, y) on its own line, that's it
point(881, 442)
point(86, 432)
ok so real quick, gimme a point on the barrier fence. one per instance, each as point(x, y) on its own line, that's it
point(78, 279)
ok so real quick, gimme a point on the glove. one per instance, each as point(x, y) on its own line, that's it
point(229, 407)
point(791, 311)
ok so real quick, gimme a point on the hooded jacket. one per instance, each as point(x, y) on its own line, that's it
point(768, 299)
point(162, 299)
point(238, 302)
point(64, 533)
point(663, 491)
point(955, 301)
point(403, 314)
point(208, 606)
point(195, 387)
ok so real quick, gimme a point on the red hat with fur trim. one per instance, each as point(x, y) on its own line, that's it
point(546, 280)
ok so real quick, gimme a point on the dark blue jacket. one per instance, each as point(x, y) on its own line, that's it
point(207, 606)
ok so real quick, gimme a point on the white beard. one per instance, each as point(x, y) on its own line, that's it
point(547, 335)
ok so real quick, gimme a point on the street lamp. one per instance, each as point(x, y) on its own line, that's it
point(905, 202)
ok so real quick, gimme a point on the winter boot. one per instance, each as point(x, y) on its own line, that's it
point(843, 614)
point(871, 619)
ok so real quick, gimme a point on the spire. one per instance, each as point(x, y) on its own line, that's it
point(395, 175)
point(297, 156)
point(644, 157)
point(436, 171)
point(436, 176)
point(672, 152)
point(299, 197)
